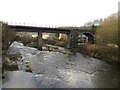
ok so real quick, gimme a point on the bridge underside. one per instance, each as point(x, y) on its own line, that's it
point(91, 38)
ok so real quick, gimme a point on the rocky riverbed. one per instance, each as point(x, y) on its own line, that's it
point(48, 69)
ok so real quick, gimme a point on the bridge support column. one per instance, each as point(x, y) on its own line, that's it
point(39, 41)
point(81, 37)
point(68, 41)
point(74, 41)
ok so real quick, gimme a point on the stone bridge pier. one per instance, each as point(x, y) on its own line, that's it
point(76, 39)
point(40, 41)
point(73, 40)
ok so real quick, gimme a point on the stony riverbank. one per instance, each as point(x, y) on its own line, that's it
point(57, 70)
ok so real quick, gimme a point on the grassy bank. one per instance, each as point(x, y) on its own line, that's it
point(102, 52)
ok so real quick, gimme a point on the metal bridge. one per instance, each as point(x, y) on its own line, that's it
point(72, 33)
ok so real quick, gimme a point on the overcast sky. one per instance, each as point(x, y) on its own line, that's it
point(56, 12)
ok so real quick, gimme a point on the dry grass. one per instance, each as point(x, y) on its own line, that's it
point(103, 52)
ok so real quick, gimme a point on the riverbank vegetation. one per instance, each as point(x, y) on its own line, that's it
point(9, 61)
point(107, 38)
point(8, 36)
point(106, 47)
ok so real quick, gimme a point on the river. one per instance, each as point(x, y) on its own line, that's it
point(57, 70)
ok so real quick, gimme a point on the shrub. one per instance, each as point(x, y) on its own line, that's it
point(25, 39)
point(103, 52)
point(60, 43)
point(8, 36)
point(107, 33)
point(89, 49)
point(107, 53)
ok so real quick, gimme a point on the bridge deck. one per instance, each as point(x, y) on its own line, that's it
point(39, 29)
point(46, 29)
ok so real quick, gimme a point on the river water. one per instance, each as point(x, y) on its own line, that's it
point(56, 70)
